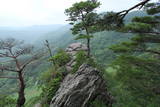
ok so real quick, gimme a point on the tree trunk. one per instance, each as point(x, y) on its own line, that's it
point(88, 46)
point(21, 96)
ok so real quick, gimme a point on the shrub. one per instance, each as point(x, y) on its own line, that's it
point(97, 103)
point(47, 76)
point(49, 90)
point(61, 58)
point(7, 101)
point(81, 58)
point(50, 83)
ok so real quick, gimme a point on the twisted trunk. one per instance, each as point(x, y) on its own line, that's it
point(21, 95)
point(88, 46)
point(88, 42)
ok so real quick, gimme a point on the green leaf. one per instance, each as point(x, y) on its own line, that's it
point(83, 36)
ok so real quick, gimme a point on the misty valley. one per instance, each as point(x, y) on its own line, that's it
point(96, 58)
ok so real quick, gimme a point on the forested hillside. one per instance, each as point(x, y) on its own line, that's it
point(61, 38)
point(108, 59)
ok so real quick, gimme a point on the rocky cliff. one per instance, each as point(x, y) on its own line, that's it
point(83, 87)
point(72, 50)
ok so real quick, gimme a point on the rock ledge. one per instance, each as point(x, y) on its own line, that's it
point(78, 89)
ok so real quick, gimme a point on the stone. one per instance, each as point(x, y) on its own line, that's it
point(72, 50)
point(38, 105)
point(81, 88)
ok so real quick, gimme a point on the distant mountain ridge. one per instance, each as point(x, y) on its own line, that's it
point(61, 37)
point(28, 33)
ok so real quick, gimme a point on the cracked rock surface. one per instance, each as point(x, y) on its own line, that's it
point(72, 50)
point(81, 88)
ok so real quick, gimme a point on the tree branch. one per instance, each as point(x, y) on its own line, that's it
point(152, 51)
point(5, 55)
point(148, 50)
point(8, 77)
point(152, 33)
point(123, 13)
point(7, 69)
point(144, 65)
point(48, 46)
point(28, 62)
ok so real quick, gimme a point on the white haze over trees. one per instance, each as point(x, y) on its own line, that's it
point(31, 20)
point(44, 12)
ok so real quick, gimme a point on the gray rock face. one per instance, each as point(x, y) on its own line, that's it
point(78, 89)
point(72, 50)
point(38, 105)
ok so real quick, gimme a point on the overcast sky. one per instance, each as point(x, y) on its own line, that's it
point(42, 12)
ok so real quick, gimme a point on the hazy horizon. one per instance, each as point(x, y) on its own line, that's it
point(19, 13)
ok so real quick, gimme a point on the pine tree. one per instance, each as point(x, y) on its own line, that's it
point(82, 16)
point(138, 64)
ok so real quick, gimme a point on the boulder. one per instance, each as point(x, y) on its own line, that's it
point(81, 88)
point(72, 50)
point(38, 105)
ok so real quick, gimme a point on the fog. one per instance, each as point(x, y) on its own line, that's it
point(44, 12)
point(30, 19)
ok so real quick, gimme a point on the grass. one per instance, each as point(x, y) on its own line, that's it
point(111, 70)
point(30, 92)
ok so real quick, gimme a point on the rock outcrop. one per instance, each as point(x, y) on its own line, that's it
point(81, 88)
point(72, 50)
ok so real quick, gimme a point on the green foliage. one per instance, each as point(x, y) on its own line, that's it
point(32, 101)
point(98, 103)
point(146, 19)
point(50, 89)
point(108, 21)
point(81, 58)
point(137, 65)
point(83, 18)
point(121, 95)
point(50, 84)
point(7, 101)
point(137, 79)
point(137, 27)
point(47, 76)
point(124, 47)
point(82, 8)
point(82, 36)
point(123, 91)
point(61, 58)
point(125, 94)
point(152, 8)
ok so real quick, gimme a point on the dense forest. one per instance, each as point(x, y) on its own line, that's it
point(106, 59)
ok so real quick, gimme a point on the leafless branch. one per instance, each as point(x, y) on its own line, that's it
point(27, 63)
point(123, 13)
point(8, 77)
point(7, 69)
point(6, 55)
point(49, 48)
point(34, 58)
point(25, 49)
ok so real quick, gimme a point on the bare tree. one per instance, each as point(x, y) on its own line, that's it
point(14, 51)
point(48, 47)
point(47, 44)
